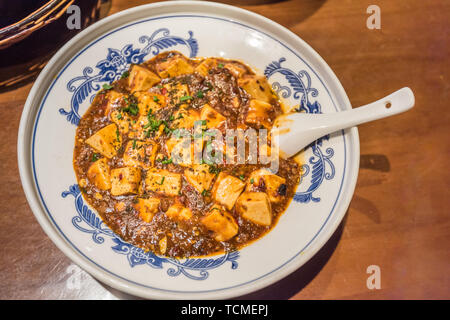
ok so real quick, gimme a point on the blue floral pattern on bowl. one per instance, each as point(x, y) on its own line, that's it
point(195, 268)
point(300, 89)
point(116, 63)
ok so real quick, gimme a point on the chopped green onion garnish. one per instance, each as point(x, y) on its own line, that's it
point(184, 98)
point(125, 75)
point(153, 123)
point(107, 86)
point(132, 107)
point(212, 168)
point(95, 157)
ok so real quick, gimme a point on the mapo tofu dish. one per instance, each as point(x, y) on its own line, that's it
point(127, 156)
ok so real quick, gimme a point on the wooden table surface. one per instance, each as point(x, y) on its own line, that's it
point(399, 216)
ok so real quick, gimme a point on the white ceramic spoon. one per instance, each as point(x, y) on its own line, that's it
point(298, 130)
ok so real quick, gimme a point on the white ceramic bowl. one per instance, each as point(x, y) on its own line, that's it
point(99, 55)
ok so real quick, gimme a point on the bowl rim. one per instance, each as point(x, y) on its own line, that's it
point(98, 29)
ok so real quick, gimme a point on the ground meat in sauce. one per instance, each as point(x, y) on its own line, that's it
point(218, 87)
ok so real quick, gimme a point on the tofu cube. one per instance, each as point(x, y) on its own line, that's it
point(180, 150)
point(163, 245)
point(229, 153)
point(141, 79)
point(174, 92)
point(213, 118)
point(257, 87)
point(122, 120)
point(205, 66)
point(199, 177)
point(221, 223)
point(163, 181)
point(255, 207)
point(142, 129)
point(265, 181)
point(185, 118)
point(227, 189)
point(258, 114)
point(267, 151)
point(216, 150)
point(147, 208)
point(125, 180)
point(114, 100)
point(120, 206)
point(138, 153)
point(235, 69)
point(106, 141)
point(99, 174)
point(174, 67)
point(149, 101)
point(179, 212)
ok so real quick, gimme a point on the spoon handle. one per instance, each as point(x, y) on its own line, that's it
point(300, 129)
point(325, 123)
point(397, 102)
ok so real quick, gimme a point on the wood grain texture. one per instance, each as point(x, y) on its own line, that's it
point(399, 216)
